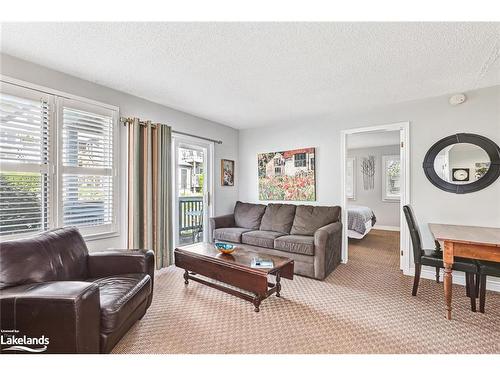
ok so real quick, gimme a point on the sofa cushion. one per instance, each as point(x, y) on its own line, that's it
point(120, 296)
point(295, 244)
point(308, 219)
point(248, 215)
point(262, 238)
point(229, 234)
point(278, 217)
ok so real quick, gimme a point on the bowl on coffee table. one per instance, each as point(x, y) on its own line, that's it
point(225, 248)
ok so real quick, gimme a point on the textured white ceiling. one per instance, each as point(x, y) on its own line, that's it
point(260, 74)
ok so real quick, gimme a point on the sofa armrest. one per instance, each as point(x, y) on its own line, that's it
point(67, 313)
point(224, 221)
point(117, 262)
point(327, 249)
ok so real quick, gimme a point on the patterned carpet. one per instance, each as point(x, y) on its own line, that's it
point(364, 306)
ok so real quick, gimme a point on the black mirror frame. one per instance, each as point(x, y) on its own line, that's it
point(486, 144)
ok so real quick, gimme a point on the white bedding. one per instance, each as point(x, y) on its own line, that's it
point(358, 236)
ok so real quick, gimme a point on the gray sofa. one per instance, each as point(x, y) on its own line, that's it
point(310, 235)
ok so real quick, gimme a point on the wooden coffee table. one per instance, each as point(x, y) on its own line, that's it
point(233, 269)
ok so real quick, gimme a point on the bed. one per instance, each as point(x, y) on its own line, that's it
point(360, 220)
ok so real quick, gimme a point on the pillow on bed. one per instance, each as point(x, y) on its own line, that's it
point(308, 219)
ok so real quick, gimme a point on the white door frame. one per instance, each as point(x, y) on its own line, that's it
point(208, 182)
point(404, 131)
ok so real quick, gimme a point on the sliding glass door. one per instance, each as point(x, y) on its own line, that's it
point(193, 168)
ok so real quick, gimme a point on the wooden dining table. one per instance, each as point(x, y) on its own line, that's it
point(481, 243)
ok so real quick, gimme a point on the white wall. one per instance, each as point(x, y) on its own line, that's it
point(133, 106)
point(430, 120)
point(387, 213)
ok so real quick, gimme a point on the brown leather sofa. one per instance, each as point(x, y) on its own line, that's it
point(83, 303)
point(310, 235)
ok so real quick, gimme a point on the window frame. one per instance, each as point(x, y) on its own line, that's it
point(351, 160)
point(385, 197)
point(55, 167)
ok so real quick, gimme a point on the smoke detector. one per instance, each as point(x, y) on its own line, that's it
point(458, 99)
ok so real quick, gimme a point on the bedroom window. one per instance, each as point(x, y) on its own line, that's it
point(350, 185)
point(391, 187)
point(57, 159)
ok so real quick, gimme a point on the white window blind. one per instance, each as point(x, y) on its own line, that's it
point(24, 158)
point(57, 163)
point(87, 165)
point(88, 139)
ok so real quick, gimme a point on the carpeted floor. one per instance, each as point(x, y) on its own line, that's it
point(364, 306)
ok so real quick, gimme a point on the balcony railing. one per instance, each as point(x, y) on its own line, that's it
point(190, 220)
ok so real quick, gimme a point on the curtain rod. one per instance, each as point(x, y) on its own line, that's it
point(125, 121)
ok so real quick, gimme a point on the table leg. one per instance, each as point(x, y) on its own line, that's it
point(186, 277)
point(278, 284)
point(256, 303)
point(448, 277)
point(448, 280)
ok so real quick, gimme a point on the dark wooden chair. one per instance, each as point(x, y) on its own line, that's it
point(434, 258)
point(485, 269)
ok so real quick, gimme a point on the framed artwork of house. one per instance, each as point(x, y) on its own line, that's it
point(287, 175)
point(227, 172)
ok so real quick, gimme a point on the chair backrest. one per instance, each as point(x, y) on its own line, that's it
point(56, 255)
point(414, 233)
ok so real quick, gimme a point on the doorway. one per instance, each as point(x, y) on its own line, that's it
point(193, 192)
point(383, 163)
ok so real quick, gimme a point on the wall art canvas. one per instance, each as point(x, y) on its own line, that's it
point(368, 171)
point(287, 175)
point(227, 172)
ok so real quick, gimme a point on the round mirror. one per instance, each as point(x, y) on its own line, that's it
point(463, 163)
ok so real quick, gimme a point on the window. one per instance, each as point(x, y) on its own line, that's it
point(350, 175)
point(391, 187)
point(300, 160)
point(277, 171)
point(24, 158)
point(57, 163)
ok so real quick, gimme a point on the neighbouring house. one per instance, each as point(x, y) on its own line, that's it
point(190, 172)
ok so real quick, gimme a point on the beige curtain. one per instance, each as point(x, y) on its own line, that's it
point(149, 189)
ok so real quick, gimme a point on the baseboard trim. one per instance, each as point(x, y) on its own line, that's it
point(493, 283)
point(386, 227)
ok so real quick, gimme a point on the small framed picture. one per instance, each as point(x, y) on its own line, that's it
point(227, 172)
